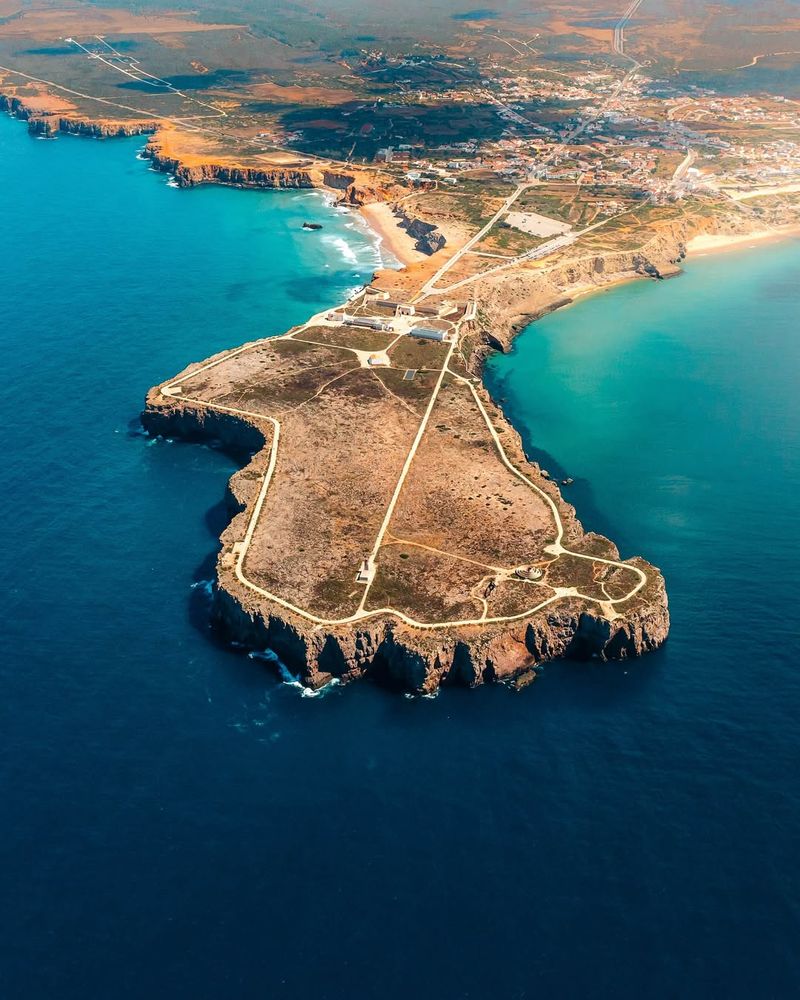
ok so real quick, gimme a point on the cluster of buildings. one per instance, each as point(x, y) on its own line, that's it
point(390, 316)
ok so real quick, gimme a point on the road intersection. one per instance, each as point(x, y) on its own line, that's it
point(177, 390)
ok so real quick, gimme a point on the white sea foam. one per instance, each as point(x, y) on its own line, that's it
point(307, 692)
point(267, 655)
point(345, 250)
point(428, 696)
point(382, 256)
point(291, 680)
point(206, 586)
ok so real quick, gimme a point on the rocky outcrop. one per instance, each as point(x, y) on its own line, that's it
point(384, 647)
point(337, 181)
point(236, 176)
point(351, 189)
point(14, 107)
point(94, 130)
point(388, 650)
point(428, 238)
point(356, 189)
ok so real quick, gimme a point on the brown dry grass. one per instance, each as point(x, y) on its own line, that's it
point(85, 20)
point(321, 96)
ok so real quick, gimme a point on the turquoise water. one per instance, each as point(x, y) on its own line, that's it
point(177, 823)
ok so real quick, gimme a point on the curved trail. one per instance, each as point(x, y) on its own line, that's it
point(143, 76)
point(240, 549)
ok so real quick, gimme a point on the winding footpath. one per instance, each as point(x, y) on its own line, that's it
point(174, 390)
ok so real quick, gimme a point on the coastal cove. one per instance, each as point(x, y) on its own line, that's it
point(198, 828)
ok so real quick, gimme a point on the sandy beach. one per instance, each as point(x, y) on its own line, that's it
point(699, 246)
point(396, 240)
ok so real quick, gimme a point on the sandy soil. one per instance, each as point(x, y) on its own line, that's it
point(39, 102)
point(764, 192)
point(194, 149)
point(708, 243)
point(396, 240)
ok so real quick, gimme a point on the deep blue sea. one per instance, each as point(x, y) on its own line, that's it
point(177, 823)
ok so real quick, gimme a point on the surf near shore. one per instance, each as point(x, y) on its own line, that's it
point(381, 219)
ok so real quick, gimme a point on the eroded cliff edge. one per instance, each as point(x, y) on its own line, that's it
point(383, 646)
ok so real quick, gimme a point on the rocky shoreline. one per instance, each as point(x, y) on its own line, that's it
point(41, 124)
point(384, 647)
point(514, 305)
point(353, 189)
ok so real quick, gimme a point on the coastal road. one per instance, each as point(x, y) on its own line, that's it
point(618, 46)
point(618, 40)
point(429, 285)
point(552, 246)
point(682, 169)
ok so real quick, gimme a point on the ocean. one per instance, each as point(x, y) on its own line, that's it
point(178, 822)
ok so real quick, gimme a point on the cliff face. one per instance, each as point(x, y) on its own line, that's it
point(514, 304)
point(384, 647)
point(352, 189)
point(356, 189)
point(421, 662)
point(217, 173)
point(51, 125)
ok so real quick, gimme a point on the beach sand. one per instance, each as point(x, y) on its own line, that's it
point(396, 240)
point(699, 246)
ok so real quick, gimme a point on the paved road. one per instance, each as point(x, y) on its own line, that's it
point(618, 41)
point(560, 242)
point(428, 287)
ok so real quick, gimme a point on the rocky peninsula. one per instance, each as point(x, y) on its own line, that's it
point(391, 526)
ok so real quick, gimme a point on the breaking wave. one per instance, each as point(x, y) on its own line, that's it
point(345, 250)
point(290, 680)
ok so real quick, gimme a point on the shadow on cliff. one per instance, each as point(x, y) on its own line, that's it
point(201, 603)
